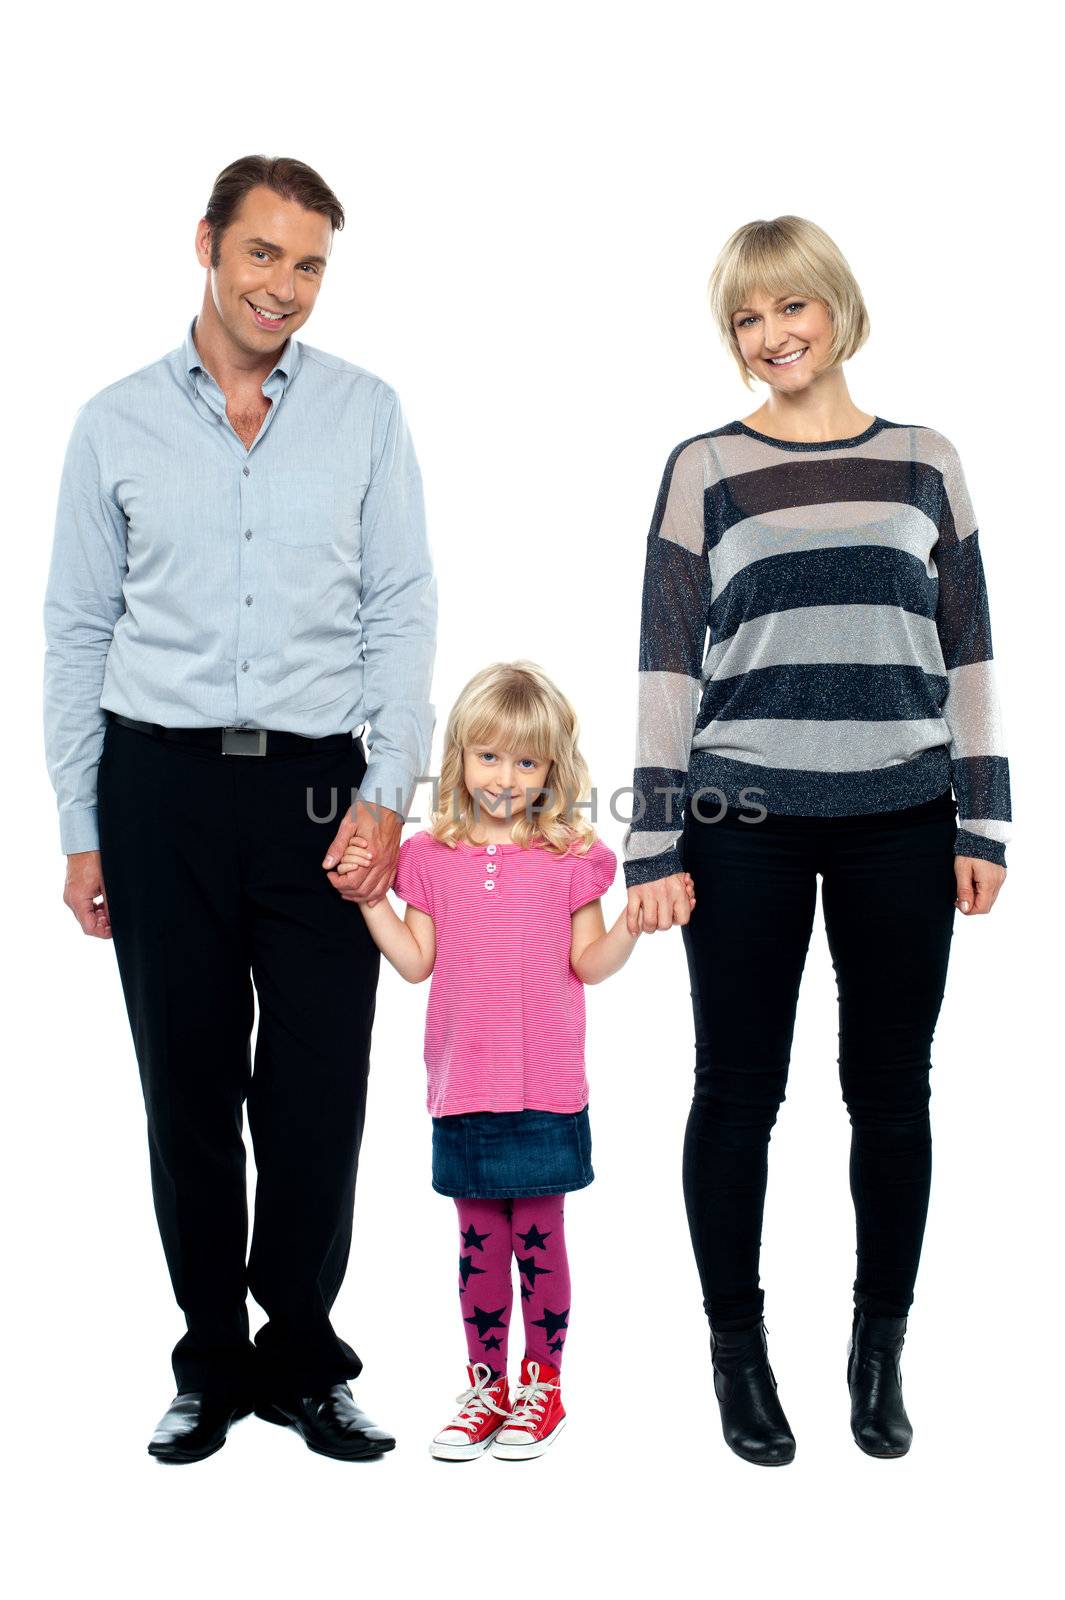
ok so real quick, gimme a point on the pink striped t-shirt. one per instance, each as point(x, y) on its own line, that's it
point(504, 1028)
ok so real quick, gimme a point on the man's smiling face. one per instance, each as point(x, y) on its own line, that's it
point(271, 260)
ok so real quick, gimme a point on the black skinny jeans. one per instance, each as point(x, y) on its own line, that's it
point(888, 893)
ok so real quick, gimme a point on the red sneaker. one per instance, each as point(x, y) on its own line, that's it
point(483, 1409)
point(538, 1416)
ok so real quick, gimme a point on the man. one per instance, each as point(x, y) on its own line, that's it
point(240, 583)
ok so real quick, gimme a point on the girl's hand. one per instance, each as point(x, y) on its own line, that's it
point(659, 904)
point(689, 889)
point(357, 854)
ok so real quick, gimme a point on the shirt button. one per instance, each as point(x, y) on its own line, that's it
point(489, 866)
point(246, 471)
point(244, 666)
point(247, 599)
point(489, 884)
point(491, 848)
point(247, 533)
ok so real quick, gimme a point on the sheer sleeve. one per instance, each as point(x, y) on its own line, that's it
point(979, 768)
point(674, 620)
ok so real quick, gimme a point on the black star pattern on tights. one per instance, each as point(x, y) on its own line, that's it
point(556, 1347)
point(487, 1320)
point(552, 1322)
point(527, 1266)
point(493, 1343)
point(526, 1292)
point(534, 1239)
point(467, 1268)
point(474, 1240)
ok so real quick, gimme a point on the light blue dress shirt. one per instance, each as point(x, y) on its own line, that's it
point(199, 584)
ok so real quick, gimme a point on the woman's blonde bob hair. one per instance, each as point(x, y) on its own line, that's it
point(513, 705)
point(788, 256)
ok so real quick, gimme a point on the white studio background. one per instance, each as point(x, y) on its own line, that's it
point(535, 197)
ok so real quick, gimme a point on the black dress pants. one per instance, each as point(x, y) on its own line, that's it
point(212, 869)
point(888, 891)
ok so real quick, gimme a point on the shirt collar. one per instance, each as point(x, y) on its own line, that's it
point(284, 369)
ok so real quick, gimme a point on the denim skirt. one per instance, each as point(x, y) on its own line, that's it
point(502, 1155)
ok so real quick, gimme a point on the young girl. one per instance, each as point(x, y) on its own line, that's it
point(503, 908)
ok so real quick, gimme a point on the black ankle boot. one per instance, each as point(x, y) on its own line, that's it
point(752, 1419)
point(878, 1417)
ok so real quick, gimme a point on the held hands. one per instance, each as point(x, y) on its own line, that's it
point(368, 871)
point(358, 857)
point(978, 883)
point(357, 854)
point(650, 904)
point(664, 903)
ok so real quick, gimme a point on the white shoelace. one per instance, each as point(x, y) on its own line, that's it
point(531, 1399)
point(474, 1404)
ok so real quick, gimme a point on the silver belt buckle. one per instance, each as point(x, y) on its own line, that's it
point(243, 741)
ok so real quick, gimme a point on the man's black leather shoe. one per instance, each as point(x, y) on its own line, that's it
point(330, 1424)
point(874, 1375)
point(752, 1418)
point(195, 1426)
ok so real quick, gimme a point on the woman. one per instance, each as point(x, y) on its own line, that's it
point(847, 687)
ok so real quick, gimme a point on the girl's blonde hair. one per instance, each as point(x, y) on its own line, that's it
point(513, 705)
point(789, 255)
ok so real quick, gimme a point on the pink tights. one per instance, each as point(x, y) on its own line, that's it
point(531, 1229)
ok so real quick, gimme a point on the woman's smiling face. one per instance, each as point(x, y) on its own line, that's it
point(784, 341)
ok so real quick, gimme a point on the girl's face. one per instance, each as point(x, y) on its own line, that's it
point(507, 780)
point(784, 341)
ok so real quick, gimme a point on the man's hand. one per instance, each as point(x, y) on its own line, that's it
point(663, 903)
point(84, 885)
point(380, 829)
point(978, 883)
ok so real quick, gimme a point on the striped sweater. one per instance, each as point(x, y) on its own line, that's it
point(849, 667)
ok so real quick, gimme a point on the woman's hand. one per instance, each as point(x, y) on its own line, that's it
point(978, 883)
point(663, 903)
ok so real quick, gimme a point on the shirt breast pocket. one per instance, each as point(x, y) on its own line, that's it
point(316, 507)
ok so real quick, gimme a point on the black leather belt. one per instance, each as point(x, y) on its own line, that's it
point(238, 741)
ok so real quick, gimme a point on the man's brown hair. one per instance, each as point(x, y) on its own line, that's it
point(291, 179)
